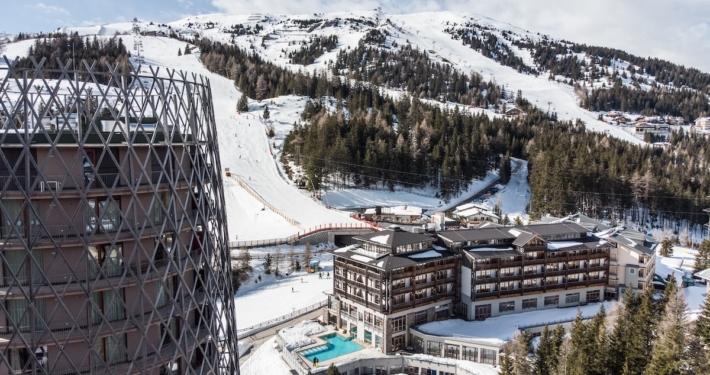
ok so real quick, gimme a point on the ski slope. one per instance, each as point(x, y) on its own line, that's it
point(245, 150)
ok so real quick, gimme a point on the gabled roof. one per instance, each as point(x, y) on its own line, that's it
point(704, 274)
point(523, 238)
point(388, 261)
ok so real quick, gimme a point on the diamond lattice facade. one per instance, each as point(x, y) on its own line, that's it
point(113, 239)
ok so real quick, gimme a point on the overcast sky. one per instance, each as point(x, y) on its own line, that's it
point(675, 30)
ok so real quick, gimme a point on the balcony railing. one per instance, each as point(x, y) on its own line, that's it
point(108, 225)
point(85, 181)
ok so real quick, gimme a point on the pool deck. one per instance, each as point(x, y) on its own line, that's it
point(368, 351)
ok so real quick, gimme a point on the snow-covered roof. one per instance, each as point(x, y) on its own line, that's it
point(476, 211)
point(297, 336)
point(704, 274)
point(426, 254)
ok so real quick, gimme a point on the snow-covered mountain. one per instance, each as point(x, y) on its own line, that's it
point(445, 36)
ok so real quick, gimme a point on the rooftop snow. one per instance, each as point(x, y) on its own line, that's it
point(297, 336)
point(558, 245)
point(362, 258)
point(426, 254)
point(381, 239)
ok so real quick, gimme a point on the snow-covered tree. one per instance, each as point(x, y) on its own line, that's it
point(243, 104)
point(667, 247)
point(702, 259)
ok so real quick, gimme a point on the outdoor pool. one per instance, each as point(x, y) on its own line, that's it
point(336, 346)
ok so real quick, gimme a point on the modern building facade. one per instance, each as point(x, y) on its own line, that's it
point(388, 282)
point(507, 270)
point(113, 238)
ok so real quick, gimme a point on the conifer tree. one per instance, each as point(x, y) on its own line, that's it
point(506, 363)
point(668, 292)
point(598, 341)
point(179, 52)
point(641, 335)
point(266, 114)
point(579, 356)
point(267, 264)
point(243, 104)
point(520, 349)
point(332, 370)
point(187, 49)
point(703, 322)
point(545, 354)
point(245, 259)
point(619, 339)
point(702, 258)
point(668, 355)
point(697, 355)
point(666, 247)
point(276, 261)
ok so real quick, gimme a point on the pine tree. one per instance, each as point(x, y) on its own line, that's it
point(179, 52)
point(619, 340)
point(666, 247)
point(266, 114)
point(520, 349)
point(245, 259)
point(670, 290)
point(697, 355)
point(579, 356)
point(641, 335)
point(506, 364)
point(703, 322)
point(332, 370)
point(243, 104)
point(518, 221)
point(598, 341)
point(187, 49)
point(267, 264)
point(667, 357)
point(702, 259)
point(291, 255)
point(544, 353)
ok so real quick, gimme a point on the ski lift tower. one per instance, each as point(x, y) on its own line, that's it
point(137, 41)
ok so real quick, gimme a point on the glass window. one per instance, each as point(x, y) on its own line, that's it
point(482, 312)
point(488, 356)
point(572, 298)
point(420, 317)
point(469, 353)
point(530, 303)
point(106, 257)
point(451, 351)
point(398, 324)
point(593, 296)
point(164, 291)
point(111, 349)
point(434, 348)
point(552, 300)
point(506, 306)
point(23, 266)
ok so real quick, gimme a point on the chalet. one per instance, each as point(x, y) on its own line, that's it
point(620, 120)
point(398, 214)
point(506, 270)
point(389, 281)
point(514, 112)
point(475, 215)
point(702, 123)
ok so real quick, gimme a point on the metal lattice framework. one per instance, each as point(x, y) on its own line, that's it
point(113, 234)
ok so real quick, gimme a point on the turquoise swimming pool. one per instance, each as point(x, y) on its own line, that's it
point(335, 346)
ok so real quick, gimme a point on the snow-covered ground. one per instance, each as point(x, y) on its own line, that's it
point(265, 361)
point(680, 264)
point(424, 198)
point(513, 197)
point(500, 329)
point(272, 296)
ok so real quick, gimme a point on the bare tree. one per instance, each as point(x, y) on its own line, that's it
point(291, 255)
point(276, 263)
point(307, 255)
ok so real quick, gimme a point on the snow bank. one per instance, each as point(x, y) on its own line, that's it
point(297, 336)
point(265, 360)
point(243, 347)
point(472, 367)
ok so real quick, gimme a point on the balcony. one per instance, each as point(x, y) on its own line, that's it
point(561, 272)
point(486, 266)
point(85, 185)
point(533, 261)
point(511, 264)
point(604, 255)
point(71, 234)
point(510, 277)
point(65, 333)
point(137, 365)
point(149, 271)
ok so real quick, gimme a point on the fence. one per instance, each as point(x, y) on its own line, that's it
point(301, 234)
point(241, 332)
point(258, 197)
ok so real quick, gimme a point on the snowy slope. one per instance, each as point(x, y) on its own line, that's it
point(245, 150)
